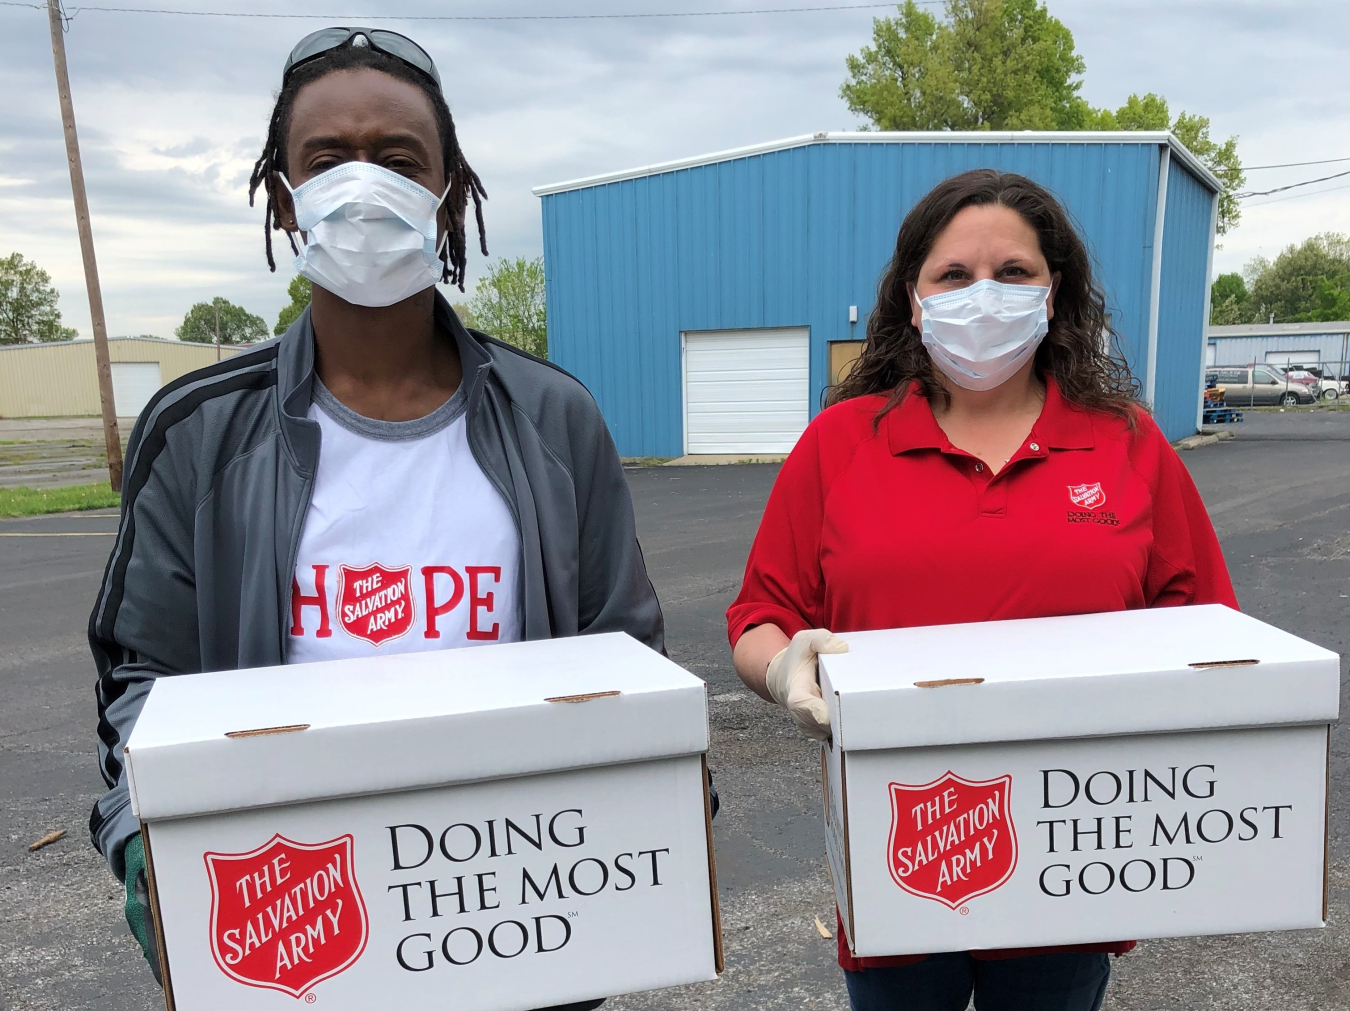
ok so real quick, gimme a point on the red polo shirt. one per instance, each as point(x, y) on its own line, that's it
point(893, 526)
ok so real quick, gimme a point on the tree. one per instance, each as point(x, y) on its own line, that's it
point(1229, 301)
point(1006, 65)
point(464, 313)
point(28, 309)
point(508, 303)
point(237, 325)
point(299, 289)
point(991, 65)
point(1152, 113)
point(1147, 113)
point(1304, 283)
point(1330, 301)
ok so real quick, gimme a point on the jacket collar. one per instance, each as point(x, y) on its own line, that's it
point(295, 377)
point(911, 425)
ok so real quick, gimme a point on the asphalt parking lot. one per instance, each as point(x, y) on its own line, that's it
point(1279, 493)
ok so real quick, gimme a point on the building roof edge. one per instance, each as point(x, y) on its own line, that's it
point(1158, 137)
point(1277, 329)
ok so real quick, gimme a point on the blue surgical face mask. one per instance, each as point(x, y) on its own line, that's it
point(980, 335)
point(370, 234)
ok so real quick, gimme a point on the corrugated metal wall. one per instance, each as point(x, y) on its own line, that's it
point(1333, 347)
point(1181, 302)
point(59, 380)
point(793, 238)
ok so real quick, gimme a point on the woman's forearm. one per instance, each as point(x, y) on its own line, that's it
point(752, 654)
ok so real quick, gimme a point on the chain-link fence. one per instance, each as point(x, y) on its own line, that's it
point(1270, 384)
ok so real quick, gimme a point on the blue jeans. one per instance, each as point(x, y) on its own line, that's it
point(1063, 981)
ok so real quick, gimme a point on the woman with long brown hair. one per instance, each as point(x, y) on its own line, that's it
point(987, 458)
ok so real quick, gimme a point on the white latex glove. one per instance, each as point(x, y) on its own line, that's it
point(793, 681)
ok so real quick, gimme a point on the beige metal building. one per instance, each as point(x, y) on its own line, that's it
point(60, 380)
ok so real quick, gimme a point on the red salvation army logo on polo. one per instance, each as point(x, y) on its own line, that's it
point(376, 603)
point(1087, 496)
point(951, 839)
point(286, 915)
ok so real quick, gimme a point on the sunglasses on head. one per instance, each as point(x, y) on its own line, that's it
point(400, 47)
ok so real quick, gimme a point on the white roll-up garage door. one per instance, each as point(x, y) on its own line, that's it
point(746, 391)
point(134, 383)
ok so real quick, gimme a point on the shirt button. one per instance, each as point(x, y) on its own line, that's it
point(979, 468)
point(1035, 448)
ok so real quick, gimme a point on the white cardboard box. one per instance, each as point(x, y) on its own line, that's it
point(493, 829)
point(1094, 778)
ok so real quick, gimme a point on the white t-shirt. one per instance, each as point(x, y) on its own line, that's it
point(407, 546)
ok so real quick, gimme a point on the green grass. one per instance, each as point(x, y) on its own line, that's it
point(643, 461)
point(36, 501)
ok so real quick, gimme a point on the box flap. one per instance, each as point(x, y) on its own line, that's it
point(1164, 669)
point(277, 735)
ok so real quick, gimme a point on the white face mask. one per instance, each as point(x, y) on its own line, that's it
point(979, 336)
point(370, 234)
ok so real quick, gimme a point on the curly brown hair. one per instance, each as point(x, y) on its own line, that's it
point(1077, 352)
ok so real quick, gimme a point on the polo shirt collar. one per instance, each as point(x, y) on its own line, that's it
point(1061, 425)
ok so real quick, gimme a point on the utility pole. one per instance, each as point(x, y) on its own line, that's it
point(111, 438)
point(217, 306)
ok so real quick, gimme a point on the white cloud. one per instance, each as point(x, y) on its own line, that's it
point(172, 112)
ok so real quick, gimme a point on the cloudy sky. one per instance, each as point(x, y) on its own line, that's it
point(172, 111)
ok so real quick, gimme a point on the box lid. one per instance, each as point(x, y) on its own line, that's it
point(1127, 672)
point(276, 735)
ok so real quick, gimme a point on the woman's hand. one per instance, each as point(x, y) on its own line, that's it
point(784, 671)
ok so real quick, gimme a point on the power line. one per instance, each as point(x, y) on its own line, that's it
point(359, 19)
point(1298, 196)
point(1293, 164)
point(597, 17)
point(1291, 186)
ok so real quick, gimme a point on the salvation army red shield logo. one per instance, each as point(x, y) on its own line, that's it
point(376, 603)
point(286, 915)
point(951, 839)
point(1087, 496)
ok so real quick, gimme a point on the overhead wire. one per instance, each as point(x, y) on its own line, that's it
point(1297, 196)
point(1293, 164)
point(1291, 186)
point(473, 17)
point(632, 15)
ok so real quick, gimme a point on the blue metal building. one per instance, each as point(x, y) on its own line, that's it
point(1324, 346)
point(708, 302)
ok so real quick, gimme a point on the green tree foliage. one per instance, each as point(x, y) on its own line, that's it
point(1221, 159)
point(1229, 300)
point(991, 65)
point(28, 309)
point(1300, 284)
point(299, 289)
point(508, 303)
point(1330, 301)
point(1006, 65)
point(1151, 112)
point(237, 324)
point(464, 313)
point(1308, 282)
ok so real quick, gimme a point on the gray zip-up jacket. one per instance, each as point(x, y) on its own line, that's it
point(219, 471)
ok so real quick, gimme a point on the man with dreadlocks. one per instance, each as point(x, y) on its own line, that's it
point(377, 441)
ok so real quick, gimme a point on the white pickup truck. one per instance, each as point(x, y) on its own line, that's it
point(1327, 388)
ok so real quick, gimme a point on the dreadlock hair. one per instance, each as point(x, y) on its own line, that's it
point(1076, 352)
point(464, 182)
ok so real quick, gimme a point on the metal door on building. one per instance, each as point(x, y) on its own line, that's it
point(134, 383)
point(746, 391)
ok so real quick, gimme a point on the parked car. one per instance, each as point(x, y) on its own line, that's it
point(1260, 385)
point(1324, 387)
